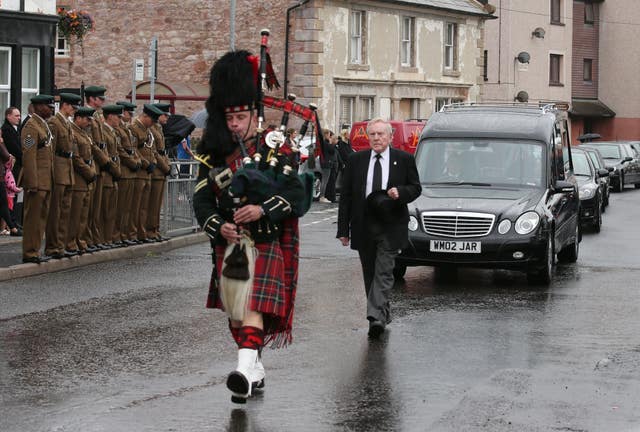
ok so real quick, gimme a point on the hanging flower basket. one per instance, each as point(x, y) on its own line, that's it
point(74, 25)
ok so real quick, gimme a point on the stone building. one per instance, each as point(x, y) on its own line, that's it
point(399, 59)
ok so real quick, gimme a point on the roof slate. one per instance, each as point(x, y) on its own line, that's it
point(467, 6)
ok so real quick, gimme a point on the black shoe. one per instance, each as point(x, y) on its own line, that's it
point(16, 233)
point(164, 239)
point(70, 254)
point(130, 242)
point(147, 240)
point(376, 328)
point(35, 260)
point(58, 255)
point(91, 249)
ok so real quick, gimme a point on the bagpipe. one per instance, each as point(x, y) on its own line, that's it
point(274, 164)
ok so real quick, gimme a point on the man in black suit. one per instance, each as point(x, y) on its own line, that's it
point(373, 216)
point(11, 134)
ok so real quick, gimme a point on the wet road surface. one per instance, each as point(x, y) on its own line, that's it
point(128, 346)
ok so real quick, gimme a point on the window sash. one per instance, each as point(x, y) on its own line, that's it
point(406, 42)
point(346, 109)
point(587, 70)
point(554, 68)
point(449, 46)
point(588, 13)
point(555, 11)
point(356, 37)
point(63, 48)
point(366, 108)
point(30, 74)
point(5, 67)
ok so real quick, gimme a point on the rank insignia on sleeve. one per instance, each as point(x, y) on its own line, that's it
point(29, 141)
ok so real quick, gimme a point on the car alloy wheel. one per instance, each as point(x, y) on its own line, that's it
point(597, 219)
point(544, 274)
point(569, 254)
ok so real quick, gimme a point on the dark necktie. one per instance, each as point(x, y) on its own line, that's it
point(377, 175)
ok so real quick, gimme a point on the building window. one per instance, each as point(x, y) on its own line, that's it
point(442, 101)
point(450, 47)
point(30, 74)
point(5, 78)
point(357, 37)
point(366, 108)
point(587, 70)
point(588, 13)
point(555, 11)
point(485, 66)
point(555, 69)
point(406, 44)
point(63, 48)
point(347, 105)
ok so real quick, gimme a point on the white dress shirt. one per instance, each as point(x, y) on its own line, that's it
point(384, 162)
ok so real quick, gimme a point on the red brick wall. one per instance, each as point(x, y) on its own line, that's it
point(585, 46)
point(192, 34)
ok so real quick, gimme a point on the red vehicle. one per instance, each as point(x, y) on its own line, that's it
point(406, 135)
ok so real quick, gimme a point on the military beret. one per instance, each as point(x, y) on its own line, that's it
point(112, 109)
point(97, 91)
point(70, 98)
point(85, 111)
point(152, 111)
point(165, 107)
point(128, 106)
point(43, 99)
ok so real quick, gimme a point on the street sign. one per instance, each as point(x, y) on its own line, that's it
point(139, 65)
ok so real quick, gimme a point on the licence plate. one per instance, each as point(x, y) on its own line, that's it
point(448, 246)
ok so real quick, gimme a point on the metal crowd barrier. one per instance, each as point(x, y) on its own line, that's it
point(177, 216)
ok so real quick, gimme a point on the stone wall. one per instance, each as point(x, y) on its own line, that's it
point(191, 34)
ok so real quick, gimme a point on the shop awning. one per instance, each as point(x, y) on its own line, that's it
point(590, 108)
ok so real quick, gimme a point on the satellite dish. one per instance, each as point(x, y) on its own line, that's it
point(522, 96)
point(523, 57)
point(538, 32)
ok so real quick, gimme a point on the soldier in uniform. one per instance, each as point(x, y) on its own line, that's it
point(141, 130)
point(111, 114)
point(37, 179)
point(63, 178)
point(130, 164)
point(95, 98)
point(84, 178)
point(158, 176)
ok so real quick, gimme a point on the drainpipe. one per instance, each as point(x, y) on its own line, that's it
point(286, 46)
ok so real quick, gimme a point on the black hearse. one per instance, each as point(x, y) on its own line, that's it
point(498, 191)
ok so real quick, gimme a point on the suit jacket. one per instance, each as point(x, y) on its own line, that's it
point(62, 166)
point(352, 215)
point(11, 138)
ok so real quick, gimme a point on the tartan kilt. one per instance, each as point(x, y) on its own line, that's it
point(274, 284)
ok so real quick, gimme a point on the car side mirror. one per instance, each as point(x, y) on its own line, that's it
point(610, 169)
point(563, 186)
point(627, 159)
point(603, 173)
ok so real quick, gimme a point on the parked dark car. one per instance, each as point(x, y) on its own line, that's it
point(591, 190)
point(622, 158)
point(498, 191)
point(598, 163)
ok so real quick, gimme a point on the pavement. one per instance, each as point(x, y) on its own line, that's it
point(11, 266)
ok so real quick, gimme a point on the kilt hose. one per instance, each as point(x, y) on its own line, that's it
point(274, 285)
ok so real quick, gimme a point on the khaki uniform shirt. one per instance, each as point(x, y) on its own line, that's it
point(145, 147)
point(83, 166)
point(62, 148)
point(99, 148)
point(130, 161)
point(37, 155)
point(112, 139)
point(163, 166)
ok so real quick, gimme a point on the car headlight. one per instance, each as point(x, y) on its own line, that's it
point(413, 223)
point(527, 222)
point(504, 226)
point(586, 192)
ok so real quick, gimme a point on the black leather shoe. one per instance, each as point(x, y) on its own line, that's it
point(59, 255)
point(70, 254)
point(376, 328)
point(35, 260)
point(162, 238)
point(91, 249)
point(147, 240)
point(16, 233)
point(130, 242)
point(44, 258)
